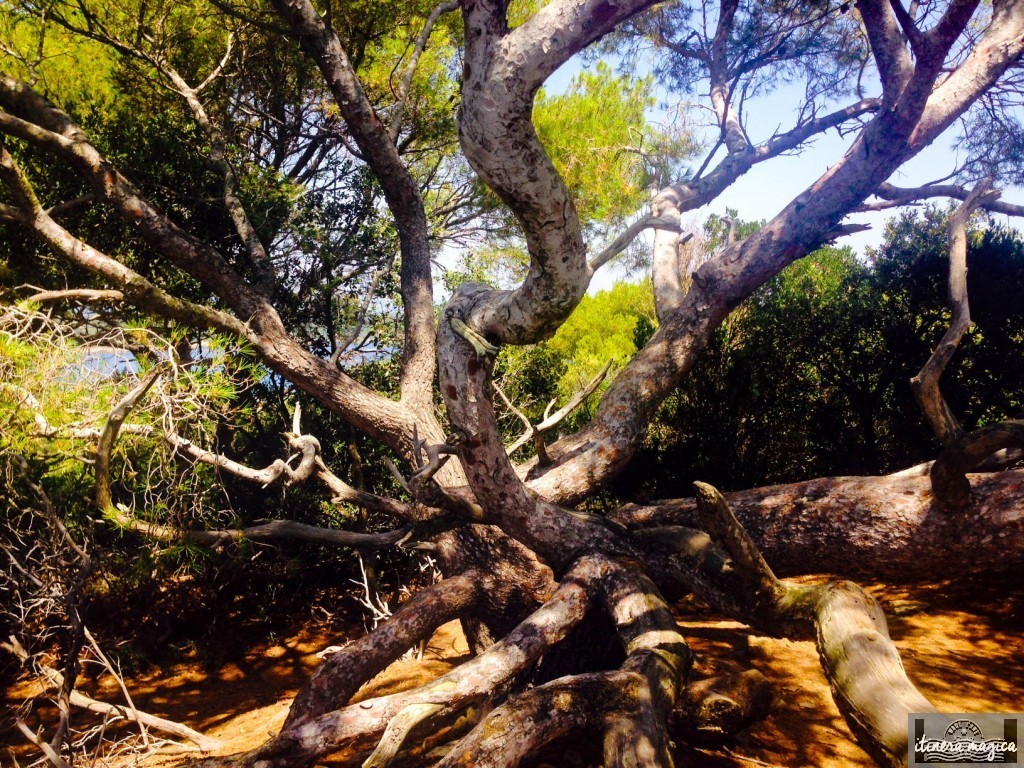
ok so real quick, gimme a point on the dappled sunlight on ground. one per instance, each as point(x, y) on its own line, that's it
point(961, 644)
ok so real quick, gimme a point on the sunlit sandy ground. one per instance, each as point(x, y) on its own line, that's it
point(962, 644)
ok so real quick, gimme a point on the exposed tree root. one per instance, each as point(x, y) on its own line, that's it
point(341, 674)
point(715, 709)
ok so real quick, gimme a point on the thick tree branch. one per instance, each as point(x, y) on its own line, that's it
point(501, 75)
point(553, 533)
point(341, 674)
point(665, 272)
point(555, 33)
point(401, 192)
point(860, 661)
point(882, 527)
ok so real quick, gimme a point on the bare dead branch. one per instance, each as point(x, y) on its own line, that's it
point(908, 195)
point(925, 384)
point(79, 294)
point(721, 524)
point(79, 699)
point(108, 436)
point(52, 756)
point(551, 421)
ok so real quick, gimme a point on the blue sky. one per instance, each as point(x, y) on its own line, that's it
point(769, 186)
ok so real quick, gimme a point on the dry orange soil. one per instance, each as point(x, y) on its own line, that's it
point(961, 644)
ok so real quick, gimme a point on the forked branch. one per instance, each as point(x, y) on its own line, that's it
point(949, 472)
point(536, 432)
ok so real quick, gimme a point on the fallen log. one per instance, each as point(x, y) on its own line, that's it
point(884, 527)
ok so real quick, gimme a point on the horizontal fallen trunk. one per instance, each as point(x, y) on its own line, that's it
point(884, 527)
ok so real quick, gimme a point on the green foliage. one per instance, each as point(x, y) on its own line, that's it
point(810, 377)
point(604, 328)
point(600, 140)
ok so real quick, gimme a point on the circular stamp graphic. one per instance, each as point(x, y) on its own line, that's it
point(964, 730)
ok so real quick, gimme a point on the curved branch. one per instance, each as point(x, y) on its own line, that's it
point(105, 444)
point(925, 384)
point(621, 242)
